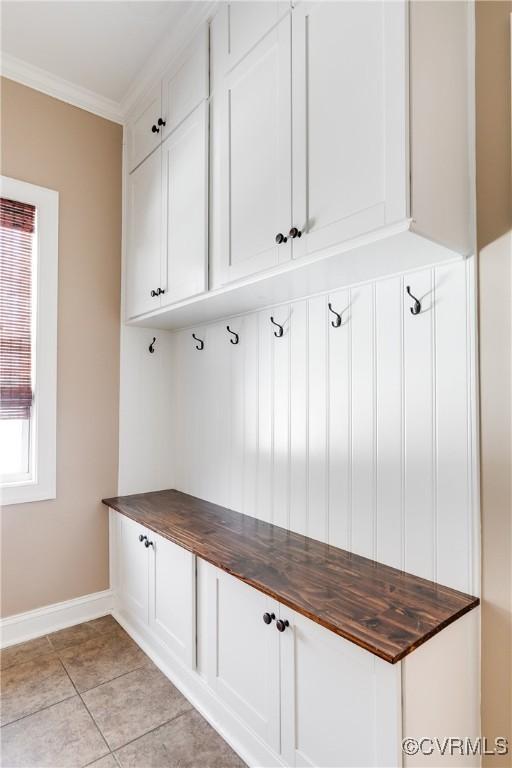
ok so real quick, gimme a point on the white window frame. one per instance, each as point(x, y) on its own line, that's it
point(41, 484)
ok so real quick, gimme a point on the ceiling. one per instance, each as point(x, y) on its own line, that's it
point(98, 46)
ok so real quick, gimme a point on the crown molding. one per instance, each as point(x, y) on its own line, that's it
point(169, 49)
point(41, 80)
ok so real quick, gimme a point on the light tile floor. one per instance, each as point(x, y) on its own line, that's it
point(88, 696)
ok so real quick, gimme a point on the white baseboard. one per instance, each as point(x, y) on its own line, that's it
point(50, 618)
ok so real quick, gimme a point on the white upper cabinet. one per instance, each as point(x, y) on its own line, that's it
point(349, 120)
point(251, 148)
point(144, 237)
point(308, 138)
point(186, 84)
point(143, 134)
point(185, 201)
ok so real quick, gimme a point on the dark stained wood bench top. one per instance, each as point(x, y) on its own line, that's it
point(384, 610)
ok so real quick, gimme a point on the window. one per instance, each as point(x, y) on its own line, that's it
point(28, 340)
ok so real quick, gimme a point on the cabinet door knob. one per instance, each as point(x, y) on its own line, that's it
point(148, 543)
point(294, 232)
point(280, 238)
point(160, 291)
point(268, 618)
point(282, 624)
point(155, 129)
point(154, 293)
point(142, 537)
point(161, 121)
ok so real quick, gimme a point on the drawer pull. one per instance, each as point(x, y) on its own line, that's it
point(282, 624)
point(268, 618)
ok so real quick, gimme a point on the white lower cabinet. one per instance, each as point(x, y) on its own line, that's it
point(156, 587)
point(281, 689)
point(133, 572)
point(243, 653)
point(339, 703)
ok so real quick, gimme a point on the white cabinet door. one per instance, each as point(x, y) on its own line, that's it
point(132, 569)
point(142, 138)
point(238, 27)
point(243, 653)
point(172, 605)
point(349, 120)
point(185, 200)
point(186, 83)
point(144, 236)
point(340, 704)
point(252, 159)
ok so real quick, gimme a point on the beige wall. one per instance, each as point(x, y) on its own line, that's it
point(494, 224)
point(57, 550)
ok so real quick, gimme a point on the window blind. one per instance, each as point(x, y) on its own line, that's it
point(17, 226)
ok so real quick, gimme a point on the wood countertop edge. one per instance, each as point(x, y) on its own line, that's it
point(261, 587)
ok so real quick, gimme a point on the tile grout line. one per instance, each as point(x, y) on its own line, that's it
point(156, 727)
point(86, 708)
point(36, 711)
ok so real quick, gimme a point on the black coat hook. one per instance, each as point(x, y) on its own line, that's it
point(337, 321)
point(200, 344)
point(416, 308)
point(236, 339)
point(280, 332)
point(152, 345)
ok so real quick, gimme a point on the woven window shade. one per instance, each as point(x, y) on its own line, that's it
point(17, 226)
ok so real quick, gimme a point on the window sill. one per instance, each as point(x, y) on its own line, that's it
point(23, 493)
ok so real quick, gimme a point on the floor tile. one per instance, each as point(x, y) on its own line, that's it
point(104, 762)
point(80, 633)
point(18, 654)
point(134, 704)
point(101, 659)
point(32, 686)
point(61, 736)
point(186, 742)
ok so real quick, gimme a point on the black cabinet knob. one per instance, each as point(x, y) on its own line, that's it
point(294, 232)
point(161, 121)
point(155, 129)
point(280, 238)
point(142, 537)
point(154, 293)
point(282, 624)
point(268, 618)
point(148, 543)
point(160, 291)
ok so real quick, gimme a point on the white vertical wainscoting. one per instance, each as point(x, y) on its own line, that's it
point(359, 435)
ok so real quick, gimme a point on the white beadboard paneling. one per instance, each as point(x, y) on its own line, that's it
point(359, 435)
point(363, 421)
point(318, 419)
point(389, 428)
point(453, 530)
point(420, 513)
point(145, 411)
point(249, 342)
point(339, 469)
point(299, 417)
point(281, 425)
point(264, 492)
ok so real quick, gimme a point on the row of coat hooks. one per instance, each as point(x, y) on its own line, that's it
point(335, 322)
